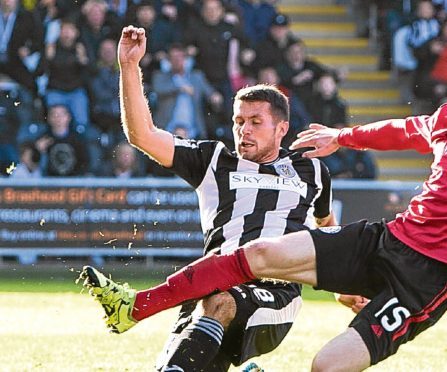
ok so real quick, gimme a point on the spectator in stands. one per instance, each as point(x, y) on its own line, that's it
point(29, 164)
point(209, 41)
point(124, 162)
point(104, 90)
point(160, 36)
point(181, 12)
point(62, 148)
point(180, 94)
point(299, 116)
point(430, 82)
point(425, 26)
point(162, 32)
point(119, 8)
point(391, 15)
point(409, 37)
point(9, 125)
point(170, 11)
point(299, 73)
point(49, 13)
point(271, 52)
point(51, 9)
point(21, 46)
point(68, 68)
point(97, 24)
point(257, 16)
point(21, 36)
point(328, 108)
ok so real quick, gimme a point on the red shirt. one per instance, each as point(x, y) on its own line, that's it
point(423, 226)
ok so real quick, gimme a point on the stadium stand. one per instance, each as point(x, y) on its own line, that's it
point(330, 29)
point(330, 34)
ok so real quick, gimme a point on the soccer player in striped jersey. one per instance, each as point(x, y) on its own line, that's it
point(401, 265)
point(260, 190)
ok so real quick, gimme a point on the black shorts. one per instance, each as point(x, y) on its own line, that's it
point(265, 312)
point(408, 290)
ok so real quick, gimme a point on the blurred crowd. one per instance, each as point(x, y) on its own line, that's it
point(59, 78)
point(412, 42)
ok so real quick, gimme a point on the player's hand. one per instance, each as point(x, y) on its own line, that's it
point(322, 138)
point(132, 45)
point(355, 302)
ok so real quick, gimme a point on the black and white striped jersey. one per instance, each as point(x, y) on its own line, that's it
point(240, 200)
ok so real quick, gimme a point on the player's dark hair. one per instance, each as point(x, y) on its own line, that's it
point(279, 103)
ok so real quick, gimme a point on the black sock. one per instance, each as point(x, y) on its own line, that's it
point(196, 346)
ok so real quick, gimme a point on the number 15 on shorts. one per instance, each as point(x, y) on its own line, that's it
point(392, 315)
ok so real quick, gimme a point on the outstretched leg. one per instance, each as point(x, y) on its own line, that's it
point(290, 257)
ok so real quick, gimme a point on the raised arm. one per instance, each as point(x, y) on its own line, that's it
point(135, 113)
point(398, 134)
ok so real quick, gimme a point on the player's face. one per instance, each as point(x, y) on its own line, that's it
point(257, 134)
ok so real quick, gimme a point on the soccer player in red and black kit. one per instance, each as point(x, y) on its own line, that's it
point(400, 265)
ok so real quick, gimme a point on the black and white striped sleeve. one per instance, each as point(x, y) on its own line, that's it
point(192, 159)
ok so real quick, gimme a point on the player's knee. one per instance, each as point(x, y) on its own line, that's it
point(258, 255)
point(221, 307)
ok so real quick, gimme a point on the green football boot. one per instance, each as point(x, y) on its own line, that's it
point(116, 299)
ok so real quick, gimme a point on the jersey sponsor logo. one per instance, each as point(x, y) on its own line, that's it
point(244, 180)
point(285, 170)
point(330, 229)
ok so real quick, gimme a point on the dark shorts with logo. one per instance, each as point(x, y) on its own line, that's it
point(408, 290)
point(264, 315)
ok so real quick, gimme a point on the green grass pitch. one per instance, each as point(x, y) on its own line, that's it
point(47, 325)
